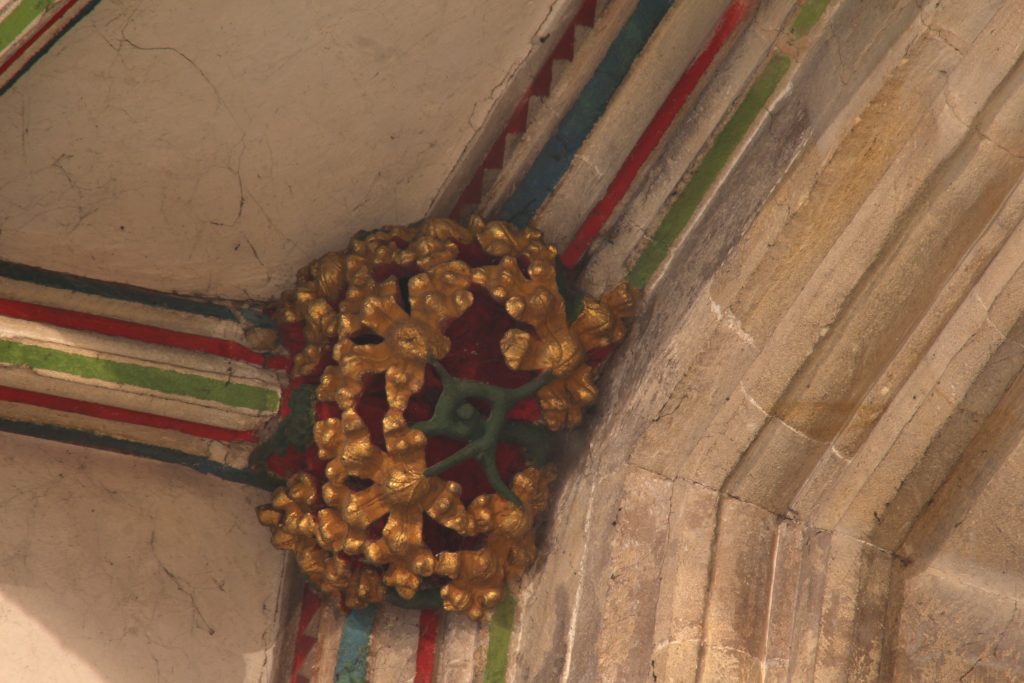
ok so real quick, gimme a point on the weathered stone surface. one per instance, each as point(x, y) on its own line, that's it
point(718, 348)
point(605, 625)
point(789, 553)
point(953, 629)
point(461, 649)
point(775, 466)
point(563, 582)
point(393, 644)
point(809, 603)
point(324, 655)
point(739, 589)
point(118, 565)
point(853, 611)
point(623, 619)
point(835, 346)
point(678, 628)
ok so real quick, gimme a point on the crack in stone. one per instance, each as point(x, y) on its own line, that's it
point(254, 252)
point(24, 128)
point(83, 213)
point(942, 34)
point(182, 586)
point(216, 92)
point(837, 45)
point(972, 126)
point(993, 644)
point(237, 171)
point(704, 646)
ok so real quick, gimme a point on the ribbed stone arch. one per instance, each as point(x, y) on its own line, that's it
point(825, 385)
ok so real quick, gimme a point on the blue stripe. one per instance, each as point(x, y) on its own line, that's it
point(355, 646)
point(557, 155)
point(110, 290)
point(109, 443)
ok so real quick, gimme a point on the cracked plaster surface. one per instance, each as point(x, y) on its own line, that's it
point(215, 148)
point(120, 570)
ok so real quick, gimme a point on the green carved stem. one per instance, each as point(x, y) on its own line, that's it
point(294, 431)
point(454, 417)
point(426, 598)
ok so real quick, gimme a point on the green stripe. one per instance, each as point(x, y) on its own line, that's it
point(497, 645)
point(15, 23)
point(707, 171)
point(261, 480)
point(808, 16)
point(38, 50)
point(158, 379)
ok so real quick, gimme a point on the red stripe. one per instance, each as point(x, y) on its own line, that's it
point(542, 83)
point(564, 49)
point(541, 86)
point(303, 642)
point(520, 117)
point(427, 647)
point(652, 135)
point(496, 157)
point(99, 410)
point(35, 36)
point(588, 12)
point(303, 646)
point(145, 333)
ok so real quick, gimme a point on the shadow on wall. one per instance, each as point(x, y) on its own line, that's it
point(120, 570)
point(967, 573)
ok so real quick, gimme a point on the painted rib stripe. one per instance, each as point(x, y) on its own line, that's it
point(517, 122)
point(158, 379)
point(6, 11)
point(808, 16)
point(52, 31)
point(304, 640)
point(108, 443)
point(109, 290)
point(683, 209)
point(19, 19)
point(128, 311)
point(131, 398)
point(554, 160)
point(355, 646)
point(232, 454)
point(71, 405)
point(145, 400)
point(500, 635)
point(653, 135)
point(144, 333)
point(426, 648)
point(95, 345)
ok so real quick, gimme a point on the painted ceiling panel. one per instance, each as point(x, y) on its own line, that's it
point(214, 148)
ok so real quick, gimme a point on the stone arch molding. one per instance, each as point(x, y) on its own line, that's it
point(805, 473)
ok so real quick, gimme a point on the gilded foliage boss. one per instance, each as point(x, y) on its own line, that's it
point(430, 364)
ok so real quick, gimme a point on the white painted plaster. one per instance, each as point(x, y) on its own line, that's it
point(214, 148)
point(115, 569)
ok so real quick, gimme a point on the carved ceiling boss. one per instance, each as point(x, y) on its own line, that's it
point(430, 365)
